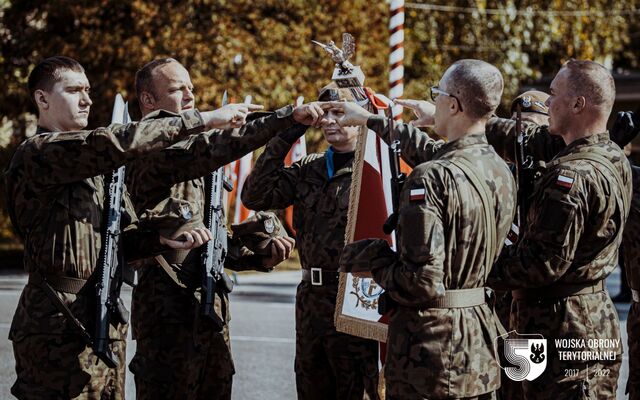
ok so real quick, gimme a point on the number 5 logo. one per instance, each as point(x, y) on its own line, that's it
point(527, 353)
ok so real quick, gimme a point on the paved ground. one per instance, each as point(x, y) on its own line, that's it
point(262, 332)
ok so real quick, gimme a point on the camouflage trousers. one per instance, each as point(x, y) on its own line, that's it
point(486, 396)
point(182, 363)
point(633, 333)
point(329, 364)
point(179, 354)
point(591, 316)
point(62, 367)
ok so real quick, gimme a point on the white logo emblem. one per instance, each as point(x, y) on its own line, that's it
point(526, 353)
point(269, 225)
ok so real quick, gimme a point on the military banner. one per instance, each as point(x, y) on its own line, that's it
point(369, 207)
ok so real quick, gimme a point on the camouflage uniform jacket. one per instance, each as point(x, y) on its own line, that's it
point(55, 195)
point(168, 192)
point(631, 238)
point(320, 203)
point(443, 353)
point(574, 228)
point(168, 187)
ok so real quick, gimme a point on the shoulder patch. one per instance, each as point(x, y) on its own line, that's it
point(565, 180)
point(417, 195)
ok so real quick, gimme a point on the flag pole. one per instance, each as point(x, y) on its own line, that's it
point(396, 55)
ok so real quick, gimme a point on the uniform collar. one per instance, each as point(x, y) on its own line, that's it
point(463, 143)
point(42, 129)
point(585, 141)
point(331, 173)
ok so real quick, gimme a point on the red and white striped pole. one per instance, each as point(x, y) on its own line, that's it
point(396, 57)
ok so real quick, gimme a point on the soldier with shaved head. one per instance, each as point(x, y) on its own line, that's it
point(574, 227)
point(454, 213)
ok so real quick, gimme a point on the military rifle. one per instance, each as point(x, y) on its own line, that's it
point(111, 262)
point(216, 250)
point(398, 178)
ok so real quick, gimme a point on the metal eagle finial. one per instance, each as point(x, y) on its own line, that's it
point(338, 55)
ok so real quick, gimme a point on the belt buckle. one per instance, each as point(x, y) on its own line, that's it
point(635, 295)
point(316, 276)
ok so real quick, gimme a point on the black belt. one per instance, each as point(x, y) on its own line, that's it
point(319, 277)
point(558, 291)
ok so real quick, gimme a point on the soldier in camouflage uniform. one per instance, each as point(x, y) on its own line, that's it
point(180, 354)
point(631, 249)
point(451, 226)
point(578, 212)
point(629, 124)
point(550, 257)
point(533, 110)
point(55, 198)
point(328, 364)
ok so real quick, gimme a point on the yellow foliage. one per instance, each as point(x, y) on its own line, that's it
point(113, 38)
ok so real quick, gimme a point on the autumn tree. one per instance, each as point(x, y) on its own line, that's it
point(270, 41)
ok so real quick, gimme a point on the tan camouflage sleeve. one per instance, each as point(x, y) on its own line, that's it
point(417, 147)
point(540, 144)
point(62, 157)
point(271, 185)
point(200, 154)
point(417, 276)
point(548, 247)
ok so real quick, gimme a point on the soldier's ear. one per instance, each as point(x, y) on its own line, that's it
point(40, 97)
point(147, 100)
point(579, 104)
point(453, 105)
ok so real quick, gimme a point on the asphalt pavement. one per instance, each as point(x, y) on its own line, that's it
point(262, 334)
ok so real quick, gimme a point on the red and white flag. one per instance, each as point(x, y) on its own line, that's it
point(369, 207)
point(238, 171)
point(244, 169)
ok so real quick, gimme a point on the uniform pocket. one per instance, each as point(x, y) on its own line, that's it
point(555, 220)
point(83, 202)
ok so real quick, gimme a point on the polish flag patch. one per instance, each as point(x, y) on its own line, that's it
point(564, 181)
point(512, 236)
point(417, 194)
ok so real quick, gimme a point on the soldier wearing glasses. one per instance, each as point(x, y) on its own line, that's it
point(454, 214)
